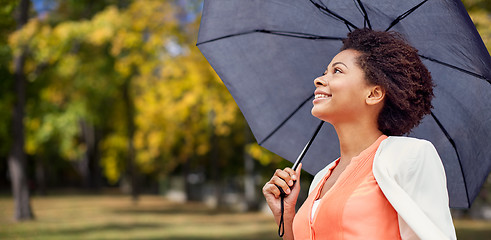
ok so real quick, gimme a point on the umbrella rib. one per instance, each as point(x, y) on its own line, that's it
point(286, 119)
point(404, 15)
point(456, 68)
point(452, 142)
point(329, 12)
point(300, 35)
point(275, 32)
point(365, 15)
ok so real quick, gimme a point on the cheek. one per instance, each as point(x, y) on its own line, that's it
point(344, 89)
point(349, 94)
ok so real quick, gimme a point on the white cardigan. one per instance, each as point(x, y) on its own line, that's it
point(411, 176)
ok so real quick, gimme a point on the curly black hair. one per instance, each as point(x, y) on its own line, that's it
point(390, 62)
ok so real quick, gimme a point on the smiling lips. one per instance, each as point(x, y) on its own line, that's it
point(320, 94)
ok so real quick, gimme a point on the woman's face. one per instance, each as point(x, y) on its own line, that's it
point(341, 93)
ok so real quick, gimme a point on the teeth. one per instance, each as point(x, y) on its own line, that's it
point(321, 96)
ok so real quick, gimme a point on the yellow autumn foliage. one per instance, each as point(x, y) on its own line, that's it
point(113, 148)
point(180, 103)
point(104, 26)
point(482, 20)
point(261, 154)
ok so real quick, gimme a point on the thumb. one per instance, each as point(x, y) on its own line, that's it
point(292, 197)
point(297, 174)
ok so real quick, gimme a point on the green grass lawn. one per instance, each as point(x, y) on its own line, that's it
point(115, 217)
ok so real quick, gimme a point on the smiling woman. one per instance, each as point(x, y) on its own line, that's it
point(382, 186)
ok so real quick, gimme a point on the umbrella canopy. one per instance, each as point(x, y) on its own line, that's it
point(268, 52)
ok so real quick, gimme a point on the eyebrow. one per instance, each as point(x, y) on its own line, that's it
point(336, 63)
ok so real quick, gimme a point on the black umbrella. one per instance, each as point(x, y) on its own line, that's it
point(267, 52)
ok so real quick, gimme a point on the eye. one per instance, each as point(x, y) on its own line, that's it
point(337, 70)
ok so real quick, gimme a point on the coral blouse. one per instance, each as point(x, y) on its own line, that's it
point(353, 208)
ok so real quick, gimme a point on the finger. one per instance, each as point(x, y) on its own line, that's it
point(270, 188)
point(285, 176)
point(292, 173)
point(298, 172)
point(280, 183)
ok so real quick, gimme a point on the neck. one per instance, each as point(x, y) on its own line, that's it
point(355, 137)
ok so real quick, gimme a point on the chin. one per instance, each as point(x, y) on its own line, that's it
point(319, 114)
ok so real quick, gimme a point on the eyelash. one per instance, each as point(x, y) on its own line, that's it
point(335, 69)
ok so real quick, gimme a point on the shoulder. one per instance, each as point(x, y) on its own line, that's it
point(405, 152)
point(411, 175)
point(405, 145)
point(409, 162)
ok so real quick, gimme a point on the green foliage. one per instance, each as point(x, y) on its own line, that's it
point(482, 20)
point(7, 25)
point(472, 5)
point(77, 70)
point(82, 55)
point(480, 13)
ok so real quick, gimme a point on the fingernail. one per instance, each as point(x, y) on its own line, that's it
point(290, 183)
point(294, 177)
point(288, 191)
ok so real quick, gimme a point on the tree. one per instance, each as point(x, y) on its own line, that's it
point(68, 91)
point(17, 157)
point(133, 80)
point(7, 25)
point(116, 55)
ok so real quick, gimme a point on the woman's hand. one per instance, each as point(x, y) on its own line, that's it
point(283, 179)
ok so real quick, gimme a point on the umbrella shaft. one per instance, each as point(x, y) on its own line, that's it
point(307, 146)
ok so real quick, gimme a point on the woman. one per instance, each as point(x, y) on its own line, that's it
point(382, 186)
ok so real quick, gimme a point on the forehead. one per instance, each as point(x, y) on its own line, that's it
point(348, 57)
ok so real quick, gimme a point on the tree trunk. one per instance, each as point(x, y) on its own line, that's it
point(41, 175)
point(215, 173)
point(186, 171)
point(123, 4)
point(17, 156)
point(88, 166)
point(250, 183)
point(83, 165)
point(249, 177)
point(130, 123)
point(215, 165)
point(83, 169)
point(96, 171)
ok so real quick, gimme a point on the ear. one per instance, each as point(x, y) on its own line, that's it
point(376, 95)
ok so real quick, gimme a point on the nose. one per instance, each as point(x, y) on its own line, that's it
point(318, 82)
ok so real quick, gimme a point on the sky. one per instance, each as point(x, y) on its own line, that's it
point(43, 7)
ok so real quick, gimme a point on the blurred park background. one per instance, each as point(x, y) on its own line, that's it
point(114, 126)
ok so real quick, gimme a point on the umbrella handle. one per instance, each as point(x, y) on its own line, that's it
point(281, 227)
